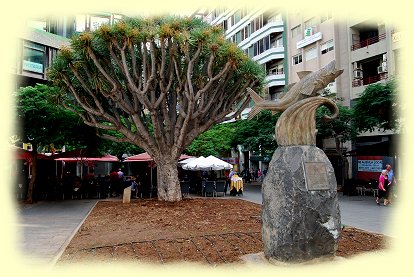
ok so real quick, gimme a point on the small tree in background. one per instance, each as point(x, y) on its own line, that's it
point(217, 141)
point(158, 82)
point(377, 107)
point(46, 125)
point(258, 134)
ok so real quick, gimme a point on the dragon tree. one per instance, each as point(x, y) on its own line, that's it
point(157, 83)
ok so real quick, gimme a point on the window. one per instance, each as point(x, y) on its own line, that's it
point(296, 31)
point(97, 21)
point(117, 18)
point(33, 57)
point(257, 23)
point(297, 59)
point(276, 17)
point(251, 51)
point(245, 32)
point(80, 23)
point(310, 23)
point(37, 24)
point(261, 46)
point(236, 17)
point(327, 46)
point(276, 69)
point(326, 17)
point(277, 42)
point(238, 37)
point(224, 25)
point(310, 53)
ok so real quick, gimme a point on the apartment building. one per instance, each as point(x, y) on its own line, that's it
point(374, 54)
point(287, 43)
point(261, 34)
point(37, 47)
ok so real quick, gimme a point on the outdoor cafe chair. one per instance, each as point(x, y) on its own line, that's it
point(220, 187)
point(185, 188)
point(209, 188)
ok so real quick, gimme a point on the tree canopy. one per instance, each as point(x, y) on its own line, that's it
point(159, 82)
point(42, 123)
point(258, 134)
point(377, 107)
point(46, 125)
point(217, 141)
point(340, 128)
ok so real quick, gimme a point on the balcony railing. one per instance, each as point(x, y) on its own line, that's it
point(364, 43)
point(369, 80)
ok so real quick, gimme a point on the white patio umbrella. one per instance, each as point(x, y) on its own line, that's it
point(196, 164)
point(186, 161)
point(217, 164)
point(209, 163)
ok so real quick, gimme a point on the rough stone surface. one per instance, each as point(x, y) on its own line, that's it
point(260, 259)
point(300, 223)
point(126, 198)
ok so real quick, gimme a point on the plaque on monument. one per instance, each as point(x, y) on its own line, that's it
point(316, 176)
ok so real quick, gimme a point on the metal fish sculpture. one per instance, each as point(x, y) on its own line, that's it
point(310, 84)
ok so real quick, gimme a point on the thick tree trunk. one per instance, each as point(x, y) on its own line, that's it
point(29, 198)
point(167, 181)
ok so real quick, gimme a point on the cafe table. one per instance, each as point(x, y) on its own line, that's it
point(237, 183)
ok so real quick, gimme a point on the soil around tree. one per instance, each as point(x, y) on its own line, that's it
point(210, 231)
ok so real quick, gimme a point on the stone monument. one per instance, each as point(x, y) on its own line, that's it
point(300, 214)
point(126, 198)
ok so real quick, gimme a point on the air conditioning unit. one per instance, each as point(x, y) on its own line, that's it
point(358, 74)
point(381, 69)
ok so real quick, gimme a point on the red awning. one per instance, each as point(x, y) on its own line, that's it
point(22, 154)
point(145, 157)
point(106, 158)
point(77, 153)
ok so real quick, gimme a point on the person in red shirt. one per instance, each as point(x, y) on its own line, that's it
point(114, 178)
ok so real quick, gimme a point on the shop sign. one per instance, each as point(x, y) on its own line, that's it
point(308, 32)
point(309, 40)
point(31, 66)
point(230, 160)
point(370, 165)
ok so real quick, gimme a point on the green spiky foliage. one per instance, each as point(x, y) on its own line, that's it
point(158, 82)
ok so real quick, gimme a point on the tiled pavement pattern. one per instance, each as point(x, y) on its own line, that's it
point(209, 249)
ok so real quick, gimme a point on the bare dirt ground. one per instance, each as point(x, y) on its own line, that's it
point(208, 231)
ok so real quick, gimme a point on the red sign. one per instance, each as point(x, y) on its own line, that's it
point(366, 175)
point(231, 160)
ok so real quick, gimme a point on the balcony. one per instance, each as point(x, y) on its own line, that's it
point(270, 54)
point(269, 28)
point(275, 80)
point(369, 80)
point(367, 42)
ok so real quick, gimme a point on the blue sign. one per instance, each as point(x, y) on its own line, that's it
point(370, 165)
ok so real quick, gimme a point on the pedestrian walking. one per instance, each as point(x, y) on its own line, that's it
point(391, 182)
point(382, 191)
point(259, 174)
point(114, 183)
